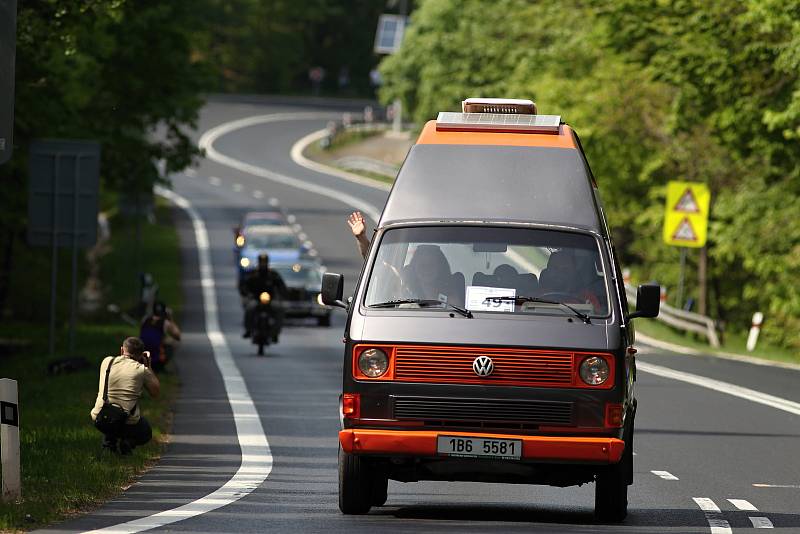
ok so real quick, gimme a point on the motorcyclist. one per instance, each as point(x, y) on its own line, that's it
point(256, 282)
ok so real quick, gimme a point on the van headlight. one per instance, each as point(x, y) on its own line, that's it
point(264, 297)
point(594, 370)
point(373, 363)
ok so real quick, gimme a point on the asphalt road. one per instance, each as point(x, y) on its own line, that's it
point(703, 443)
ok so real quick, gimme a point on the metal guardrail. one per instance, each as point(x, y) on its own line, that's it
point(362, 163)
point(682, 319)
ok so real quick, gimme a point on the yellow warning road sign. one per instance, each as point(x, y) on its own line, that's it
point(686, 214)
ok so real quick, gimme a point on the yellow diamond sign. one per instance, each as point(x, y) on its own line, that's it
point(686, 214)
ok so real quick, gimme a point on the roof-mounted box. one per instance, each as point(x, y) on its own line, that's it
point(498, 122)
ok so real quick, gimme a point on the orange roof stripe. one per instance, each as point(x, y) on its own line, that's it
point(430, 136)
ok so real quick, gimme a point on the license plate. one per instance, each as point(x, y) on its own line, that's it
point(475, 447)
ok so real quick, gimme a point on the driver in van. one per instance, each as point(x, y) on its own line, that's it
point(428, 276)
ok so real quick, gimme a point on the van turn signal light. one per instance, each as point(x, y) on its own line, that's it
point(351, 405)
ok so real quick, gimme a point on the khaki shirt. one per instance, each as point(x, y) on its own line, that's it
point(125, 383)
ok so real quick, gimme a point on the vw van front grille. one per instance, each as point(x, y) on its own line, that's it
point(511, 367)
point(483, 410)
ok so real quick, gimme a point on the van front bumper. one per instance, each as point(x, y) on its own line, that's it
point(422, 443)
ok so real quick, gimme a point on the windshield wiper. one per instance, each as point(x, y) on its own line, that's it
point(521, 299)
point(423, 302)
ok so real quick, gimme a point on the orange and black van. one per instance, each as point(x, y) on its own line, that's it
point(489, 337)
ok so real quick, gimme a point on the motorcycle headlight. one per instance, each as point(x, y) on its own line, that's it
point(373, 363)
point(594, 370)
point(244, 262)
point(264, 298)
point(319, 299)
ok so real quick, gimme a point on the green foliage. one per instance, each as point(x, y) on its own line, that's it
point(659, 91)
point(116, 71)
point(269, 47)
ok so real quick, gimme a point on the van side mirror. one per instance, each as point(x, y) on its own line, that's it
point(648, 301)
point(333, 289)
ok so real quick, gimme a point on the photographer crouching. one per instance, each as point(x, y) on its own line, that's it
point(116, 411)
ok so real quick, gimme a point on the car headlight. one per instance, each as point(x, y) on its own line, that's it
point(319, 299)
point(244, 262)
point(594, 370)
point(264, 298)
point(373, 363)
point(240, 241)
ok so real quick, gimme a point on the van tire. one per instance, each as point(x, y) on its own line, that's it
point(355, 484)
point(611, 488)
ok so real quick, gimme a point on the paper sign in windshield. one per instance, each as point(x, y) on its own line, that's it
point(477, 298)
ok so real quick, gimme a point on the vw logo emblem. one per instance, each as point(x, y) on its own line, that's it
point(483, 366)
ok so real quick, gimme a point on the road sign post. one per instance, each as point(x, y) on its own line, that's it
point(8, 46)
point(686, 221)
point(62, 209)
point(9, 441)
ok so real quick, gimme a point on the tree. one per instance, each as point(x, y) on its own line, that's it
point(110, 70)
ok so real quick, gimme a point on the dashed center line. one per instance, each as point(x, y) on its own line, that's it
point(273, 201)
point(761, 522)
point(237, 188)
point(666, 475)
point(213, 180)
point(258, 194)
point(744, 505)
point(302, 236)
point(789, 486)
point(713, 515)
point(191, 173)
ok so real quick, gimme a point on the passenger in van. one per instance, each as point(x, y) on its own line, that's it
point(428, 276)
point(565, 279)
point(359, 228)
point(505, 275)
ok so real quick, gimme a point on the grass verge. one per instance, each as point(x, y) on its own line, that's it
point(732, 342)
point(64, 471)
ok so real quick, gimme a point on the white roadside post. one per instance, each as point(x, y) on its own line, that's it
point(752, 338)
point(9, 440)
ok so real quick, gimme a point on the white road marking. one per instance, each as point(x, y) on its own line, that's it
point(258, 194)
point(302, 236)
point(256, 463)
point(666, 475)
point(237, 188)
point(191, 173)
point(291, 219)
point(723, 387)
point(790, 486)
point(300, 159)
point(207, 143)
point(743, 505)
point(761, 522)
point(713, 516)
point(213, 180)
point(273, 201)
point(297, 228)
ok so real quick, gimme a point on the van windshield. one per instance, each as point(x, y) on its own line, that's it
point(468, 266)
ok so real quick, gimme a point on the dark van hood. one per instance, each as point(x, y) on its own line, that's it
point(532, 332)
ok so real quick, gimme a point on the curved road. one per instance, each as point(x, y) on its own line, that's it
point(706, 460)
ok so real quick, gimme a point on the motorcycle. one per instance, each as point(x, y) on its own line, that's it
point(265, 327)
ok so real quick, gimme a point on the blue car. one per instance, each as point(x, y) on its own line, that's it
point(280, 242)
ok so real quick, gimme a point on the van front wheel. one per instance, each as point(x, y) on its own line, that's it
point(355, 484)
point(611, 490)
